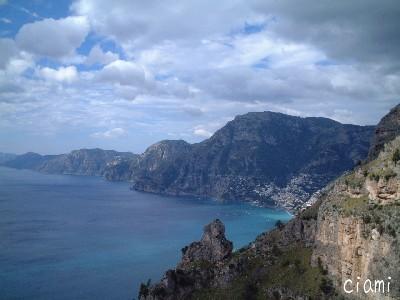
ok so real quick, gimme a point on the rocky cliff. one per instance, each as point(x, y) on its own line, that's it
point(348, 239)
point(265, 157)
point(387, 129)
point(78, 162)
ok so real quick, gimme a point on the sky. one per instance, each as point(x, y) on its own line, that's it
point(124, 74)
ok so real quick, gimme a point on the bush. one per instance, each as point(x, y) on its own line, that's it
point(144, 288)
point(396, 156)
point(327, 286)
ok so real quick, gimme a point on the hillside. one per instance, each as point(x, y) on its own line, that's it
point(78, 162)
point(350, 233)
point(265, 158)
point(268, 158)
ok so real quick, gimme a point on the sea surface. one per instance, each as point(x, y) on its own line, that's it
point(76, 237)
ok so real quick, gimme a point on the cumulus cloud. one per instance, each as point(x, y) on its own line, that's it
point(53, 38)
point(361, 30)
point(98, 56)
point(137, 23)
point(62, 74)
point(123, 72)
point(201, 131)
point(112, 133)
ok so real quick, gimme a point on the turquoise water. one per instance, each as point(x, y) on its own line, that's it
point(73, 237)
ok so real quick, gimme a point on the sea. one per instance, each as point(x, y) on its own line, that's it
point(80, 237)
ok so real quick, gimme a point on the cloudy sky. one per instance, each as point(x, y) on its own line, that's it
point(125, 74)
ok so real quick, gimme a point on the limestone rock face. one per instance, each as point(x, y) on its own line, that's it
point(213, 246)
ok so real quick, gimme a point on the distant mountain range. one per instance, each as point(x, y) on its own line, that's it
point(264, 157)
point(91, 162)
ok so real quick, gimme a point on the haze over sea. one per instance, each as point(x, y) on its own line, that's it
point(75, 237)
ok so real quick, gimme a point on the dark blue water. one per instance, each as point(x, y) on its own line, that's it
point(72, 237)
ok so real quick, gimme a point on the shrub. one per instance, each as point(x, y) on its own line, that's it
point(327, 286)
point(144, 288)
point(396, 156)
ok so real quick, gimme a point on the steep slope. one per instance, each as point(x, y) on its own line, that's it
point(349, 235)
point(387, 129)
point(78, 162)
point(266, 157)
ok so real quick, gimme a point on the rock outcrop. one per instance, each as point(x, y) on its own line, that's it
point(213, 246)
point(387, 129)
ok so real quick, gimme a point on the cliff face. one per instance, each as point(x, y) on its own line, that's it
point(387, 129)
point(359, 225)
point(350, 235)
point(78, 162)
point(267, 157)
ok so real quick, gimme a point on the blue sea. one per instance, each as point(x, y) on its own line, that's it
point(75, 237)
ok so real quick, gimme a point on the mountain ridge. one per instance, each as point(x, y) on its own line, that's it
point(263, 157)
point(266, 158)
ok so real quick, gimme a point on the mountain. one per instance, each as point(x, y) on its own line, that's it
point(91, 162)
point(6, 157)
point(348, 239)
point(265, 157)
point(387, 129)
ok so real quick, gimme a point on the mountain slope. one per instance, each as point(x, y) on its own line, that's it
point(267, 157)
point(349, 235)
point(78, 162)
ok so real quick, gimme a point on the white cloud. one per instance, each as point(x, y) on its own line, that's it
point(5, 20)
point(123, 72)
point(144, 23)
point(53, 38)
point(98, 56)
point(199, 130)
point(112, 133)
point(7, 51)
point(62, 74)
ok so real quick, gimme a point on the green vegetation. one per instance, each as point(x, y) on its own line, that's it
point(311, 213)
point(396, 155)
point(292, 270)
point(354, 206)
point(354, 181)
point(383, 173)
point(144, 288)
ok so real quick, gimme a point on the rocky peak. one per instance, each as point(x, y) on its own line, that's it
point(386, 130)
point(213, 246)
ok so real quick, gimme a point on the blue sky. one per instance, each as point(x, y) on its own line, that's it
point(125, 74)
